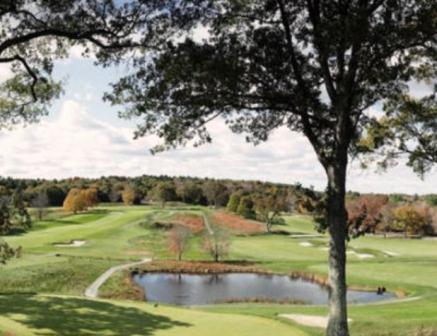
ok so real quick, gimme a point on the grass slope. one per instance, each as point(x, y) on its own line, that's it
point(71, 316)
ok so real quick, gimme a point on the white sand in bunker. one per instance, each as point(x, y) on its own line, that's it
point(391, 254)
point(308, 320)
point(73, 243)
point(361, 255)
point(305, 244)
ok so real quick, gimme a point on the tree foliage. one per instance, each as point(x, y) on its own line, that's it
point(128, 195)
point(6, 252)
point(409, 128)
point(164, 192)
point(234, 201)
point(216, 193)
point(411, 220)
point(365, 213)
point(246, 207)
point(270, 205)
point(35, 33)
point(40, 202)
point(75, 201)
point(13, 213)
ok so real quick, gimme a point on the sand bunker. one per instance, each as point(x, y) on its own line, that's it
point(305, 244)
point(308, 320)
point(391, 254)
point(73, 243)
point(361, 255)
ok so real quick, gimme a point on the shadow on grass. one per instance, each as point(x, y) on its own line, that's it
point(74, 317)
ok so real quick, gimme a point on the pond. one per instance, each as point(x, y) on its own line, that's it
point(200, 289)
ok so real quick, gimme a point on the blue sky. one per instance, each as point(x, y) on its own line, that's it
point(83, 136)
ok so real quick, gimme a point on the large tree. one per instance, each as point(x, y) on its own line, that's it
point(314, 66)
point(35, 33)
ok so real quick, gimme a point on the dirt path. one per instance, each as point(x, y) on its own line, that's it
point(93, 290)
point(207, 225)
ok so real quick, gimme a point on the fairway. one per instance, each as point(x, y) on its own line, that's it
point(58, 276)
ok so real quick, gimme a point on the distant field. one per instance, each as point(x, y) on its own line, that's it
point(113, 235)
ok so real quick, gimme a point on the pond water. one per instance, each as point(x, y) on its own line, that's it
point(200, 289)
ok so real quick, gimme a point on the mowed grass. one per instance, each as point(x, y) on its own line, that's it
point(72, 316)
point(115, 235)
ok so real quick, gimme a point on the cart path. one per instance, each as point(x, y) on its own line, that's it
point(93, 290)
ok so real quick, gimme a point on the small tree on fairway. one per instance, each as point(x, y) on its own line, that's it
point(178, 240)
point(217, 244)
point(314, 66)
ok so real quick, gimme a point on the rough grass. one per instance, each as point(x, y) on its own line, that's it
point(236, 224)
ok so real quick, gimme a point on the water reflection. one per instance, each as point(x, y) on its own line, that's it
point(199, 289)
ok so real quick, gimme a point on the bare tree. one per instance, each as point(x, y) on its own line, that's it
point(217, 244)
point(179, 240)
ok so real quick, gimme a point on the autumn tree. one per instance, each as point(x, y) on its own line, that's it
point(364, 213)
point(91, 197)
point(270, 205)
point(314, 66)
point(128, 195)
point(178, 240)
point(217, 244)
point(75, 201)
point(411, 220)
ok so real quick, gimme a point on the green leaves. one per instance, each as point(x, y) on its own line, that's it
point(22, 102)
point(409, 129)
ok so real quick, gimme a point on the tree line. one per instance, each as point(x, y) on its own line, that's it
point(143, 189)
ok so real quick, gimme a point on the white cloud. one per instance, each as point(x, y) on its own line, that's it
point(78, 144)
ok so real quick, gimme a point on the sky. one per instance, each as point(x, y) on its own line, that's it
point(83, 136)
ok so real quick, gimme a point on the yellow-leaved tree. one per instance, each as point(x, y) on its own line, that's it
point(75, 201)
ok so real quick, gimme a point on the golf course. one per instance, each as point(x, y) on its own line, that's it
point(42, 290)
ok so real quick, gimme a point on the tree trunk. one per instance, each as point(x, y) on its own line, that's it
point(336, 220)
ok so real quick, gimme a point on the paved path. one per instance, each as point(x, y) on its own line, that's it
point(93, 290)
